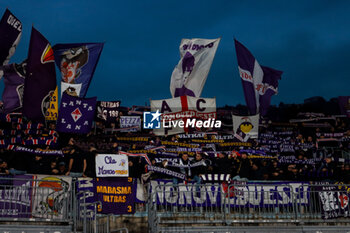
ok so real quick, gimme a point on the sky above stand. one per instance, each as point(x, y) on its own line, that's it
point(308, 40)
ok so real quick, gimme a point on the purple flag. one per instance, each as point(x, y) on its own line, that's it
point(10, 35)
point(76, 114)
point(117, 195)
point(12, 95)
point(77, 63)
point(40, 82)
point(259, 82)
point(344, 105)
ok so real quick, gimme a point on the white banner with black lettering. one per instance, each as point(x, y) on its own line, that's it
point(180, 114)
point(112, 165)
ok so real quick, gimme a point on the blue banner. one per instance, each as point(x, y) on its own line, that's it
point(77, 63)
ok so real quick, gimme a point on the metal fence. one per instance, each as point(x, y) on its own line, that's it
point(191, 208)
point(34, 200)
point(85, 215)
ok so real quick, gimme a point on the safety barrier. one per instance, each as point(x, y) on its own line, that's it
point(187, 208)
point(86, 218)
point(37, 203)
point(31, 199)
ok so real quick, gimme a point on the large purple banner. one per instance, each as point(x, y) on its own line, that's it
point(117, 195)
point(10, 35)
point(40, 81)
point(76, 114)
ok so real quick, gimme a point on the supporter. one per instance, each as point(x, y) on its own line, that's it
point(265, 167)
point(243, 166)
point(345, 174)
point(326, 169)
point(255, 173)
point(62, 168)
point(114, 149)
point(91, 162)
point(53, 170)
point(37, 165)
point(3, 167)
point(223, 165)
point(136, 167)
point(276, 173)
point(199, 169)
point(158, 142)
point(77, 162)
point(183, 168)
point(18, 162)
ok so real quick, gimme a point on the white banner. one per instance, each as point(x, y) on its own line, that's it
point(112, 165)
point(130, 123)
point(190, 74)
point(245, 127)
point(182, 109)
point(50, 194)
point(71, 89)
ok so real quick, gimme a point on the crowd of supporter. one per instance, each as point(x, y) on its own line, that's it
point(307, 147)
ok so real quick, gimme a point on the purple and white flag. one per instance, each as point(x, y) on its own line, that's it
point(10, 35)
point(190, 74)
point(344, 105)
point(77, 63)
point(40, 81)
point(259, 82)
point(12, 95)
point(76, 114)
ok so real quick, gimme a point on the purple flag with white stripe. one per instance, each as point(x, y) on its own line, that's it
point(76, 114)
point(10, 35)
point(12, 95)
point(259, 82)
point(40, 81)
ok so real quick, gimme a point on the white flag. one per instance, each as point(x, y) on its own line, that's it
point(191, 72)
point(182, 109)
point(245, 127)
point(71, 89)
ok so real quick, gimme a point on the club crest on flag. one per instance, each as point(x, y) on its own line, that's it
point(76, 114)
point(45, 104)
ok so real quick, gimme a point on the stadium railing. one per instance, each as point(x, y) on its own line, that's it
point(185, 207)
